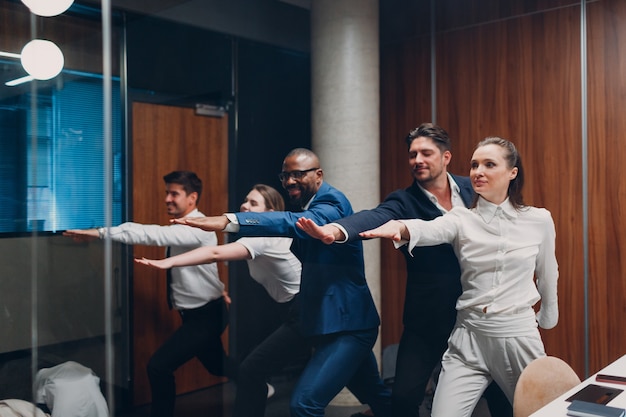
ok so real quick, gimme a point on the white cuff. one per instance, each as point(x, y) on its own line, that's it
point(233, 226)
point(548, 315)
point(343, 230)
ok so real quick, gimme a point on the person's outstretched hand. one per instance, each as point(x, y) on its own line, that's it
point(210, 224)
point(393, 230)
point(156, 263)
point(326, 233)
point(82, 235)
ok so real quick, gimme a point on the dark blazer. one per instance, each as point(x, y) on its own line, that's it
point(334, 295)
point(433, 274)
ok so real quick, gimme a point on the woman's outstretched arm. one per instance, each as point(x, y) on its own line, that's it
point(205, 255)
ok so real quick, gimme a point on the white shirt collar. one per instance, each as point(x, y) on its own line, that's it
point(456, 194)
point(488, 210)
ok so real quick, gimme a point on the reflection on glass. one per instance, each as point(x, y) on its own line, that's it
point(53, 299)
point(55, 154)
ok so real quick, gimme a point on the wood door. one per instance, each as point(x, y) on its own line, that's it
point(166, 139)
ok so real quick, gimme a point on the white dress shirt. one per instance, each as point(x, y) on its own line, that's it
point(455, 195)
point(500, 250)
point(274, 266)
point(192, 286)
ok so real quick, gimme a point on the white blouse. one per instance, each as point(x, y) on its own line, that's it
point(274, 266)
point(500, 250)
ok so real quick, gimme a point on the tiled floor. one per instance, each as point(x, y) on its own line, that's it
point(216, 402)
point(213, 402)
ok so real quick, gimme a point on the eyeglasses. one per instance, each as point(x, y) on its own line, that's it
point(296, 175)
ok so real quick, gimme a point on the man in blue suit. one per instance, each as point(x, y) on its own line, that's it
point(337, 317)
point(433, 275)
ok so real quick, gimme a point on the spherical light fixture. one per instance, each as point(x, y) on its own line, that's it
point(48, 8)
point(42, 59)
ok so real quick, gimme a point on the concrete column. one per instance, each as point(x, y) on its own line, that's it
point(345, 112)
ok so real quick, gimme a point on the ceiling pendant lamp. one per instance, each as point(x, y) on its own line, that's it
point(42, 59)
point(48, 8)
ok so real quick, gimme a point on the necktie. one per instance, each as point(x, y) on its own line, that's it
point(168, 273)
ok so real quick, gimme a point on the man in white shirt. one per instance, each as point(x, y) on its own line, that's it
point(196, 292)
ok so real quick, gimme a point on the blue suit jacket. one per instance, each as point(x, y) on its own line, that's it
point(433, 274)
point(334, 295)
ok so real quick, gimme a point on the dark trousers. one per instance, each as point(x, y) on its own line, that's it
point(198, 336)
point(282, 348)
point(418, 355)
point(342, 359)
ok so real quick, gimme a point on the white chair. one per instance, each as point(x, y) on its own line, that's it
point(542, 381)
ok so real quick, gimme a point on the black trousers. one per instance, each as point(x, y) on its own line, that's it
point(199, 336)
point(285, 346)
point(418, 355)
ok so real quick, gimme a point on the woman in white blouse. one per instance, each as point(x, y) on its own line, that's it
point(501, 245)
point(270, 260)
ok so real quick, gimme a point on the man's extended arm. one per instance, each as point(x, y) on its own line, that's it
point(397, 205)
point(82, 235)
point(148, 234)
point(328, 206)
point(210, 223)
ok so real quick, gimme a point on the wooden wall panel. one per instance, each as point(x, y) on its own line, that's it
point(14, 26)
point(405, 104)
point(607, 189)
point(166, 139)
point(520, 79)
point(511, 70)
point(454, 14)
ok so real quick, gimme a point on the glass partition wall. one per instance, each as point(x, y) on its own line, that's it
point(62, 161)
point(70, 144)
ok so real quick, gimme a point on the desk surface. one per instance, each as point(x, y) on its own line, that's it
point(558, 407)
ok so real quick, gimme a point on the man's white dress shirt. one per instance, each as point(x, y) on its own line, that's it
point(192, 286)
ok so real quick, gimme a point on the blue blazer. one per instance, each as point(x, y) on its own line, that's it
point(334, 295)
point(433, 274)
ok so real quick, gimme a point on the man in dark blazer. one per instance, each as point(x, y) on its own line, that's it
point(338, 318)
point(433, 275)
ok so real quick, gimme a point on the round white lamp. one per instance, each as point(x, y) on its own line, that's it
point(42, 59)
point(48, 8)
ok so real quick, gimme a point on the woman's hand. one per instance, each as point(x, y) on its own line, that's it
point(156, 263)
